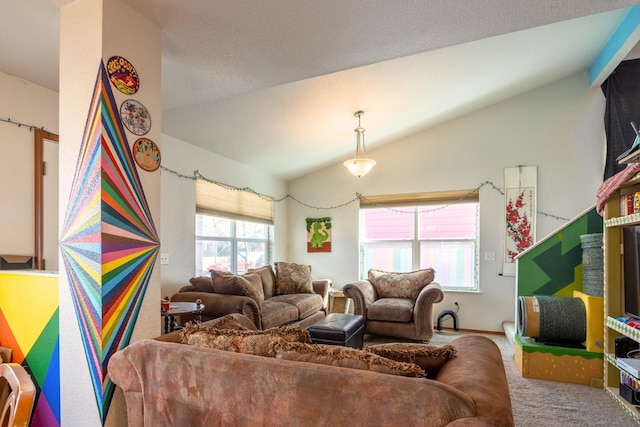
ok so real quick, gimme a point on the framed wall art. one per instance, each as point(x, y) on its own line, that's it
point(318, 234)
point(520, 213)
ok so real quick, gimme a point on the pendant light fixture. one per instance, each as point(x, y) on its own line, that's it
point(360, 165)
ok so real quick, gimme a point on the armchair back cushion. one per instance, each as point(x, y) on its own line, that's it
point(292, 278)
point(400, 285)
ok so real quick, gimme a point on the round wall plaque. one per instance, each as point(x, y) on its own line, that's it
point(135, 117)
point(123, 75)
point(146, 154)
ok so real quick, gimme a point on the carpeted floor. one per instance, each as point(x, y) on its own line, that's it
point(546, 403)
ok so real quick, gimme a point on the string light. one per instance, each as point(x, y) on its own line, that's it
point(198, 175)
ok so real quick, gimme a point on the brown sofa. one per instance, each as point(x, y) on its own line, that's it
point(167, 383)
point(276, 306)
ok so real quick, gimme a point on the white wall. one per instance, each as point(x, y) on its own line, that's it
point(178, 205)
point(558, 128)
point(22, 102)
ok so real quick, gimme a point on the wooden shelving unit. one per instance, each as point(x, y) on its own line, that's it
point(613, 308)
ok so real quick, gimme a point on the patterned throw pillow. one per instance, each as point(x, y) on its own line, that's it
point(345, 357)
point(293, 278)
point(249, 285)
point(400, 285)
point(259, 343)
point(202, 283)
point(226, 322)
point(430, 358)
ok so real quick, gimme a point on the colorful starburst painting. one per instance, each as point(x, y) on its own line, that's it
point(109, 242)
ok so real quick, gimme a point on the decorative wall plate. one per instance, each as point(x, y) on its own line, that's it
point(135, 117)
point(123, 75)
point(146, 154)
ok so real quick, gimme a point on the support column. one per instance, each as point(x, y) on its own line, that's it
point(109, 286)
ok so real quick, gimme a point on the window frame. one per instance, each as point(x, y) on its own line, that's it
point(233, 240)
point(419, 203)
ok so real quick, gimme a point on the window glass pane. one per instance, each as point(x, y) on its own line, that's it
point(387, 256)
point(250, 255)
point(456, 221)
point(211, 226)
point(453, 261)
point(212, 255)
point(250, 230)
point(388, 223)
point(230, 245)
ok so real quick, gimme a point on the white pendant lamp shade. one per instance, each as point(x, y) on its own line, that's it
point(360, 165)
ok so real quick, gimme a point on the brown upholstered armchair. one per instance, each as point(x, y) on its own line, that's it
point(396, 304)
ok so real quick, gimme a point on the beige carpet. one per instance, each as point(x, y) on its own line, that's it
point(546, 403)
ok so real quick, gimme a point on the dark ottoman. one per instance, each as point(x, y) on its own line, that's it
point(338, 329)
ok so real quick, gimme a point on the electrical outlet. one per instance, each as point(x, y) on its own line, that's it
point(489, 256)
point(164, 259)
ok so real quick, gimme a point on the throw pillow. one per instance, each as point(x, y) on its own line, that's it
point(249, 285)
point(345, 357)
point(259, 343)
point(268, 279)
point(226, 322)
point(430, 358)
point(400, 285)
point(292, 278)
point(202, 284)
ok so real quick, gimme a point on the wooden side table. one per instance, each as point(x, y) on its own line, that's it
point(339, 303)
point(177, 309)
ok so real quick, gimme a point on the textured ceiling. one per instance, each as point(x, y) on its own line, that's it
point(274, 83)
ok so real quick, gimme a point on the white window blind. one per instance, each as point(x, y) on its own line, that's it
point(232, 202)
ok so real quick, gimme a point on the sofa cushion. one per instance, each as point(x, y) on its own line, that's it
point(345, 357)
point(249, 285)
point(275, 313)
point(428, 357)
point(400, 285)
point(259, 343)
point(391, 310)
point(202, 283)
point(306, 304)
point(268, 279)
point(292, 278)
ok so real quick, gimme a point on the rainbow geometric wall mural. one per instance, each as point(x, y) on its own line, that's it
point(109, 242)
point(29, 327)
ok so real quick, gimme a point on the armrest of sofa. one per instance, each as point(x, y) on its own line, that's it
point(423, 309)
point(217, 305)
point(478, 371)
point(124, 374)
point(363, 295)
point(322, 288)
point(187, 288)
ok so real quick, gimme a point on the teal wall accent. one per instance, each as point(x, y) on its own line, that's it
point(553, 266)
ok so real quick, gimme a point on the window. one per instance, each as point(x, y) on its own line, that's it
point(411, 232)
point(234, 228)
point(230, 245)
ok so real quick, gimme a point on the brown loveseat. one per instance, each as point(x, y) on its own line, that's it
point(287, 296)
point(167, 383)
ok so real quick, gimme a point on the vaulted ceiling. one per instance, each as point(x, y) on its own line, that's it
point(274, 83)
